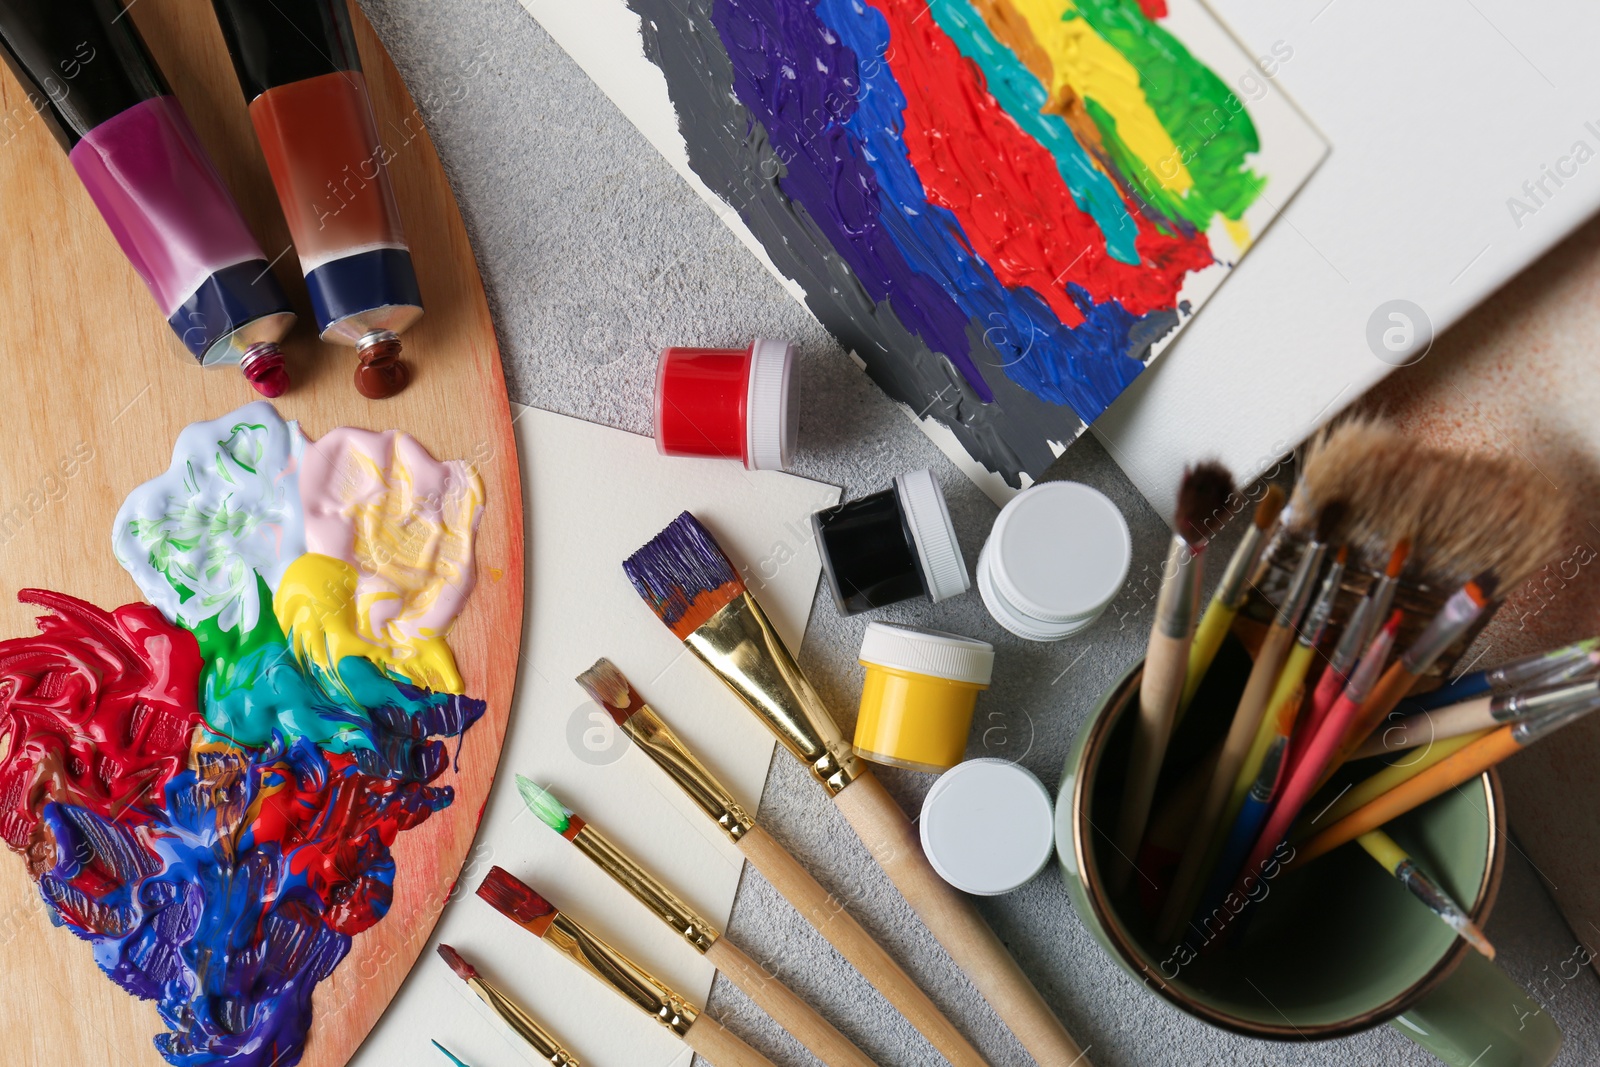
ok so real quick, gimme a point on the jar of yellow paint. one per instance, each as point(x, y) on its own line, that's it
point(916, 705)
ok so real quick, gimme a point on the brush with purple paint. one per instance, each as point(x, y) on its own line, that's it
point(513, 1014)
point(695, 589)
point(517, 901)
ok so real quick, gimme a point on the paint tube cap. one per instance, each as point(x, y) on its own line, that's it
point(944, 572)
point(987, 826)
point(931, 652)
point(1057, 556)
point(770, 423)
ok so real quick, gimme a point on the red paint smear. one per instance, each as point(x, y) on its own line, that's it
point(1005, 189)
point(97, 711)
point(333, 832)
point(1153, 9)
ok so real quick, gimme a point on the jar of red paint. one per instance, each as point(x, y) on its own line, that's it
point(733, 403)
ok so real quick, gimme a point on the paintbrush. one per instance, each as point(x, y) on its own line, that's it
point(1303, 778)
point(1465, 514)
point(1457, 616)
point(1472, 715)
point(1204, 493)
point(1246, 825)
point(1364, 792)
point(695, 590)
point(1358, 634)
point(1394, 859)
point(511, 1013)
point(769, 994)
point(1205, 842)
point(451, 1056)
point(1544, 668)
point(519, 903)
point(1289, 694)
point(1460, 766)
point(610, 688)
point(1231, 593)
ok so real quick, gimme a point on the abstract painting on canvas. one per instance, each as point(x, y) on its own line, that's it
point(1004, 209)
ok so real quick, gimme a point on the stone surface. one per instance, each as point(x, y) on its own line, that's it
point(595, 254)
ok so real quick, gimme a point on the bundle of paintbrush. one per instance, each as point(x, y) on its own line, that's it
point(1386, 548)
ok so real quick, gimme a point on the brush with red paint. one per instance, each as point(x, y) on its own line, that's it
point(518, 902)
point(695, 590)
point(513, 1014)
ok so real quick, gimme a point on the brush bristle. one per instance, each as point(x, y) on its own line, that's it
point(1202, 498)
point(1463, 513)
point(684, 575)
point(1397, 558)
point(451, 1056)
point(1342, 556)
point(513, 898)
point(1270, 507)
point(610, 688)
point(1329, 519)
point(546, 807)
point(464, 970)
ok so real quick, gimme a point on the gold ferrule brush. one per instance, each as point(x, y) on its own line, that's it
point(740, 645)
point(695, 590)
point(661, 901)
point(513, 1014)
point(608, 687)
point(519, 903)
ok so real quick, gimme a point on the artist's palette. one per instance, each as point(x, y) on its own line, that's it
point(406, 730)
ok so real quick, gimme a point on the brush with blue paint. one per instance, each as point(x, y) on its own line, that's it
point(1544, 668)
point(695, 590)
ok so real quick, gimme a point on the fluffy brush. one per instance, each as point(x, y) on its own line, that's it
point(1465, 514)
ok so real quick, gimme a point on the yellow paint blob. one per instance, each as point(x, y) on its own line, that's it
point(328, 618)
point(1083, 65)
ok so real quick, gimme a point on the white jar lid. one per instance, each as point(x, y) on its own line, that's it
point(931, 652)
point(1059, 552)
point(944, 571)
point(770, 425)
point(988, 826)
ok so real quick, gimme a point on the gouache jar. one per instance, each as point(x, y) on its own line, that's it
point(921, 687)
point(1055, 559)
point(731, 403)
point(988, 827)
point(891, 546)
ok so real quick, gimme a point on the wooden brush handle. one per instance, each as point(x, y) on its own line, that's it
point(891, 838)
point(1166, 664)
point(721, 1046)
point(818, 1035)
point(825, 912)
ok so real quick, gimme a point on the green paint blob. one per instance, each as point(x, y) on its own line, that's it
point(1204, 118)
point(543, 804)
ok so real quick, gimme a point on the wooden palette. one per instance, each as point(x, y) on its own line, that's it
point(88, 360)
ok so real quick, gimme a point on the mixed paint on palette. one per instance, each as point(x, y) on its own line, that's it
point(1003, 207)
point(207, 787)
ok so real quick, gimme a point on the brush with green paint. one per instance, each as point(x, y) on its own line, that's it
point(757, 982)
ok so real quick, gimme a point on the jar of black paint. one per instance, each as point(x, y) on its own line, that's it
point(891, 546)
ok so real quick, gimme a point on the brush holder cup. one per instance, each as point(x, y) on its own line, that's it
point(1334, 948)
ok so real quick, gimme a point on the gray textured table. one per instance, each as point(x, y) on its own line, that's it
point(595, 255)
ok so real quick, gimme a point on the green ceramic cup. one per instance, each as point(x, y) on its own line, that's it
point(1332, 949)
